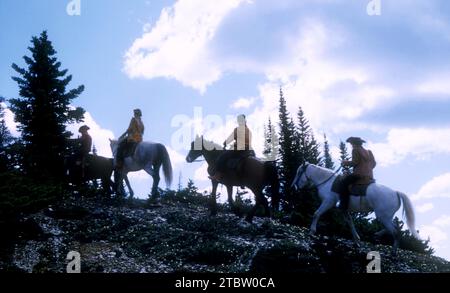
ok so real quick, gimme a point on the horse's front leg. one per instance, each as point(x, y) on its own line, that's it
point(212, 201)
point(324, 206)
point(259, 200)
point(230, 196)
point(125, 177)
point(349, 219)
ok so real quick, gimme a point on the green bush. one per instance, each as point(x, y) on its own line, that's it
point(20, 194)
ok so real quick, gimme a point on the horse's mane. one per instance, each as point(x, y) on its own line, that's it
point(326, 170)
point(322, 172)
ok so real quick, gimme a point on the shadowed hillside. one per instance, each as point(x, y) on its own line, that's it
point(178, 235)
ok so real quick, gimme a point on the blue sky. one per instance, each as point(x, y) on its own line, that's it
point(385, 78)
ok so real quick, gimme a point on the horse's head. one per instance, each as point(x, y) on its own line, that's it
point(196, 149)
point(301, 179)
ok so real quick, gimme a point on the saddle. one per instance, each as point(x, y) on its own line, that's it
point(236, 162)
point(356, 189)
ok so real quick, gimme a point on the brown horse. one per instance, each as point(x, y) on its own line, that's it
point(97, 167)
point(252, 173)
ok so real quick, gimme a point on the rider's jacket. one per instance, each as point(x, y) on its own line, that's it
point(363, 163)
point(135, 130)
point(85, 144)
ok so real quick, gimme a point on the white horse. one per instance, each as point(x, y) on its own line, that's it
point(384, 201)
point(147, 156)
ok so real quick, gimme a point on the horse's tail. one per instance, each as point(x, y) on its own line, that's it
point(274, 184)
point(166, 164)
point(409, 212)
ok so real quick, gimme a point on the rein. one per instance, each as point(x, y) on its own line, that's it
point(332, 175)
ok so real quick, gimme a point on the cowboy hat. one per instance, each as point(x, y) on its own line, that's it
point(355, 140)
point(84, 127)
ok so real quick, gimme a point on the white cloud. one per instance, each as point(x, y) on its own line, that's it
point(332, 95)
point(243, 103)
point(438, 237)
point(424, 208)
point(201, 173)
point(438, 187)
point(9, 121)
point(177, 45)
point(438, 84)
point(139, 175)
point(442, 221)
point(176, 158)
point(420, 143)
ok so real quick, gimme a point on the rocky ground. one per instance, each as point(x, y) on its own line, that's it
point(140, 237)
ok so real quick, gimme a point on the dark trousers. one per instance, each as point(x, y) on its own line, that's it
point(345, 192)
point(125, 149)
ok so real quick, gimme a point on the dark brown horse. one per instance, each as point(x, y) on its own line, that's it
point(253, 173)
point(97, 167)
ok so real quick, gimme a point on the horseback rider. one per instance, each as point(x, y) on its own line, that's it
point(130, 138)
point(242, 147)
point(85, 144)
point(363, 163)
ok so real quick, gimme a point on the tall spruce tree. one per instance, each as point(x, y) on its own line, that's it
point(308, 148)
point(288, 149)
point(43, 109)
point(313, 151)
point(327, 160)
point(271, 142)
point(344, 156)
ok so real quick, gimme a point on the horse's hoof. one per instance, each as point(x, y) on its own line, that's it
point(312, 233)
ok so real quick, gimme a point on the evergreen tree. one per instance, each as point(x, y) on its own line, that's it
point(344, 156)
point(308, 148)
point(288, 148)
point(327, 160)
point(43, 109)
point(5, 139)
point(271, 142)
point(191, 188)
point(179, 182)
point(313, 151)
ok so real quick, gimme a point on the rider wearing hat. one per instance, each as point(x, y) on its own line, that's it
point(131, 137)
point(242, 138)
point(363, 163)
point(85, 146)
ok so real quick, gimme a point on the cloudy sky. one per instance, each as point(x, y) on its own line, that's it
point(193, 65)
